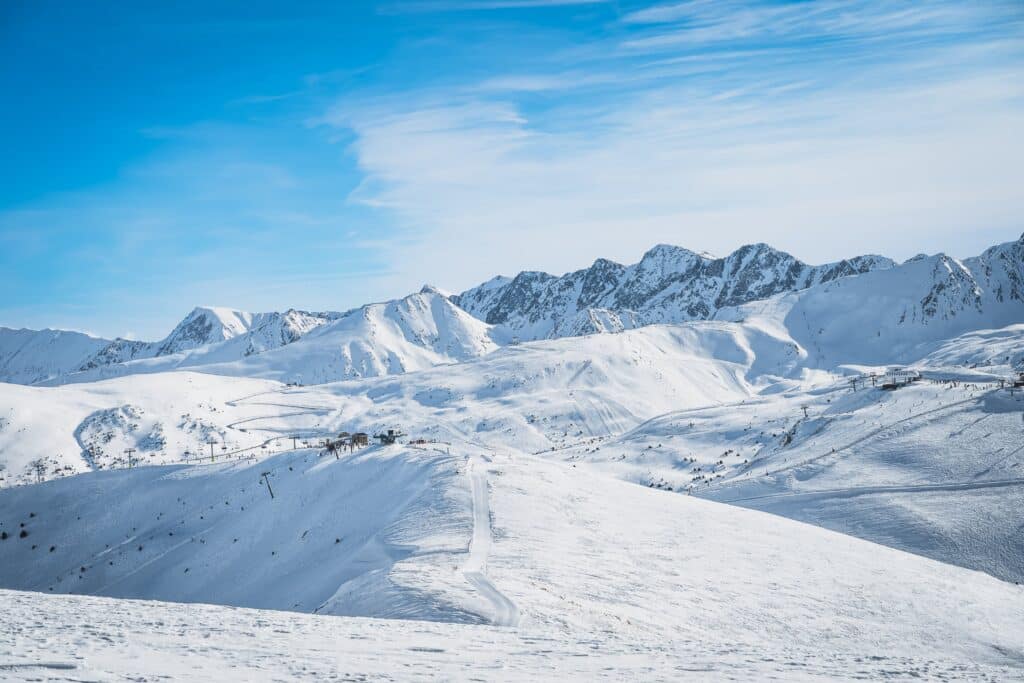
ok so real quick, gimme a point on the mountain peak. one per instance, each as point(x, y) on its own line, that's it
point(604, 263)
point(431, 289)
point(205, 325)
point(758, 250)
point(663, 251)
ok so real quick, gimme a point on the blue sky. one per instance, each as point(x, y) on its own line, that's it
point(264, 155)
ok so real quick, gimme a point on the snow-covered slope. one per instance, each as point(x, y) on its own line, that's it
point(669, 284)
point(213, 533)
point(581, 575)
point(543, 395)
point(164, 418)
point(535, 396)
point(936, 468)
point(29, 356)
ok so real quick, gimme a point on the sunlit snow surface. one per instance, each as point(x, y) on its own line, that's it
point(608, 579)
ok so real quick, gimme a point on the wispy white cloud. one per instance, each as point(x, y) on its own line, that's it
point(890, 150)
point(706, 22)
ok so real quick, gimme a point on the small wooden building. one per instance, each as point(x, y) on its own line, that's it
point(360, 439)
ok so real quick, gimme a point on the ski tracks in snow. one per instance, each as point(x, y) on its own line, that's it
point(881, 489)
point(475, 570)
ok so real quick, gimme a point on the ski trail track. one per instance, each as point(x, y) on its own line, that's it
point(475, 570)
point(869, 490)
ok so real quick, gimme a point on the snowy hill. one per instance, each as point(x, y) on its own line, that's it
point(522, 567)
point(669, 284)
point(561, 560)
point(82, 427)
point(29, 356)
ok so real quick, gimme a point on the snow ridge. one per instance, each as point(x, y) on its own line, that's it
point(30, 356)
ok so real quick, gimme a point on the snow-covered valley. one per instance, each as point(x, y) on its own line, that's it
point(729, 494)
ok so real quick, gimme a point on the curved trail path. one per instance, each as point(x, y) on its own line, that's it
point(475, 570)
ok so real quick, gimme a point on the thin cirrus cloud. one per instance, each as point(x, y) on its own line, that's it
point(825, 128)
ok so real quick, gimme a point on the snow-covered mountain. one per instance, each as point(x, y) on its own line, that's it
point(205, 326)
point(412, 333)
point(909, 308)
point(415, 332)
point(896, 315)
point(205, 335)
point(30, 356)
point(669, 284)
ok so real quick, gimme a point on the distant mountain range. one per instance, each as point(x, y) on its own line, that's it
point(869, 307)
point(668, 285)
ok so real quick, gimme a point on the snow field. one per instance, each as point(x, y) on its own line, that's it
point(609, 580)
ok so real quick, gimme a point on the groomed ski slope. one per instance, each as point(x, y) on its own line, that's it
point(610, 581)
point(505, 611)
point(936, 468)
